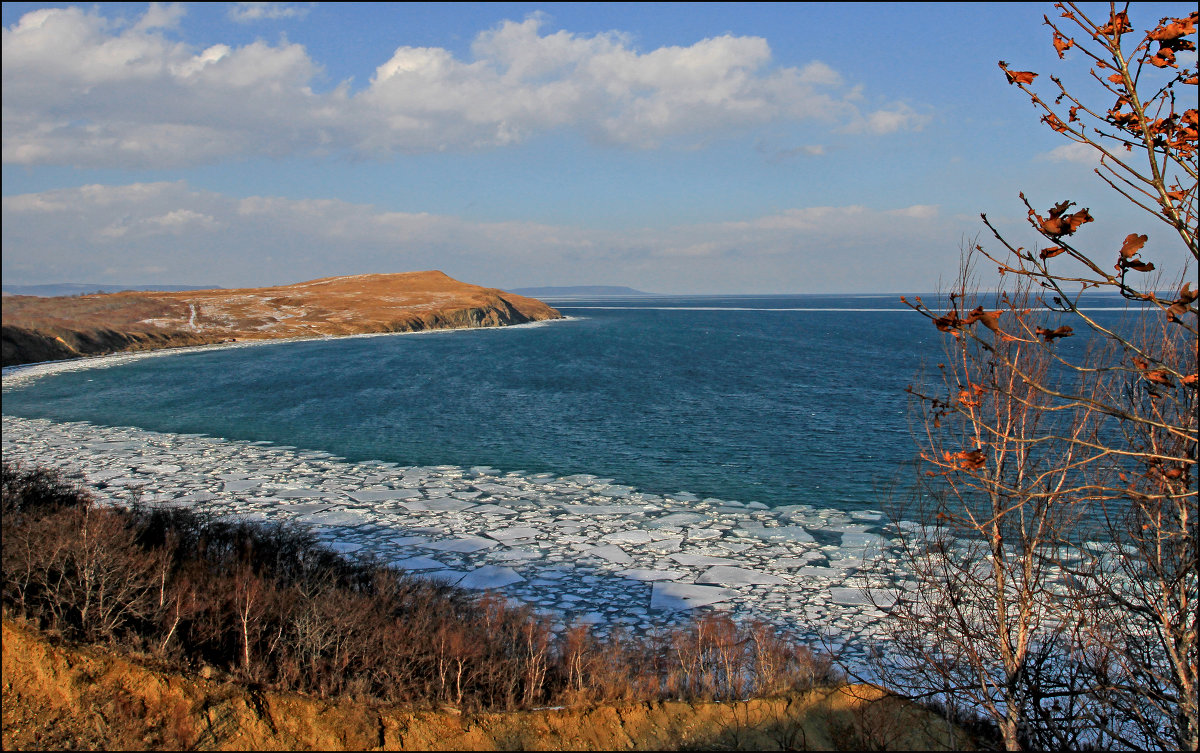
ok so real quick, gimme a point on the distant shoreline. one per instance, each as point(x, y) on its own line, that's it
point(17, 374)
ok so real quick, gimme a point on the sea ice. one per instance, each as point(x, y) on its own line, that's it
point(385, 495)
point(819, 572)
point(787, 533)
point(632, 536)
point(409, 541)
point(685, 558)
point(303, 494)
point(866, 514)
point(444, 504)
point(492, 510)
point(514, 533)
point(106, 475)
point(418, 563)
point(739, 576)
point(672, 597)
point(651, 575)
point(630, 510)
point(241, 485)
point(517, 555)
point(466, 544)
point(612, 553)
point(849, 596)
point(490, 576)
point(305, 507)
point(444, 576)
point(861, 541)
point(333, 518)
point(769, 565)
point(666, 544)
point(197, 497)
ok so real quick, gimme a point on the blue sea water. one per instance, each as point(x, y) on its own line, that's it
point(776, 399)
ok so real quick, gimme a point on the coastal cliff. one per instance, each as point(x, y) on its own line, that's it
point(44, 329)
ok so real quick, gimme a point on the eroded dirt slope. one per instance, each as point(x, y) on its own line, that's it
point(62, 696)
point(42, 329)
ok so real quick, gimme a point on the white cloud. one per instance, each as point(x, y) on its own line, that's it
point(920, 211)
point(250, 12)
point(174, 222)
point(160, 16)
point(80, 89)
point(1081, 154)
point(895, 117)
point(114, 233)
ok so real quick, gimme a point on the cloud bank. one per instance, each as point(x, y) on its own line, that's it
point(80, 89)
point(170, 232)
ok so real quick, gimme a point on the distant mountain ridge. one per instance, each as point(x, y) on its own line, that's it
point(85, 288)
point(581, 291)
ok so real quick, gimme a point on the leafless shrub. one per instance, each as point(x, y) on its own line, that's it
point(269, 605)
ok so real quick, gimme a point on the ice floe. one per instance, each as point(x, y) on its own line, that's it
point(580, 548)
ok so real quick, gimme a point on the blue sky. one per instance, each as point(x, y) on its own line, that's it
point(748, 148)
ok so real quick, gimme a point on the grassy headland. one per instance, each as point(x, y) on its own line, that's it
point(45, 329)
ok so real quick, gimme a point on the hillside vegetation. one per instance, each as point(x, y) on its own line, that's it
point(43, 329)
point(230, 635)
point(70, 697)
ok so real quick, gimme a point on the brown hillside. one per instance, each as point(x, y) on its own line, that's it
point(67, 697)
point(40, 329)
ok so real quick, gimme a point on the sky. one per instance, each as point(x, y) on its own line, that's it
point(674, 148)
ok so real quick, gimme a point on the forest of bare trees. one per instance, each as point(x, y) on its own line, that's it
point(1053, 585)
point(269, 606)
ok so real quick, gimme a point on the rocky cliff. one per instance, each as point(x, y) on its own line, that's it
point(44, 329)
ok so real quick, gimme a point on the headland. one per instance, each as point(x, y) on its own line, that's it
point(47, 329)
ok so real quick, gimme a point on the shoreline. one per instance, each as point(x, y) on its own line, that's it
point(17, 374)
point(579, 548)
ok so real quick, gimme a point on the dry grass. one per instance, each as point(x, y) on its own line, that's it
point(330, 306)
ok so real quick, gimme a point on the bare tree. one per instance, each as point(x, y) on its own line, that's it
point(1054, 563)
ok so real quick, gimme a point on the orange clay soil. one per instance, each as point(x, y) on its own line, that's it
point(61, 696)
point(38, 329)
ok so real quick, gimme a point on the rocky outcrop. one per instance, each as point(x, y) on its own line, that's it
point(45, 329)
point(20, 345)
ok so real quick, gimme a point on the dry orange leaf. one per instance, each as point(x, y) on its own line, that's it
point(1159, 376)
point(1118, 24)
point(1136, 265)
point(1180, 27)
point(1054, 122)
point(1164, 58)
point(1133, 243)
point(1050, 334)
point(970, 460)
point(1059, 224)
point(1017, 77)
point(1061, 44)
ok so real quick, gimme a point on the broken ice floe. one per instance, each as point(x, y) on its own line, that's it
point(580, 548)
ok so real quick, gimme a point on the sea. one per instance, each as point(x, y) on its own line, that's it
point(780, 400)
